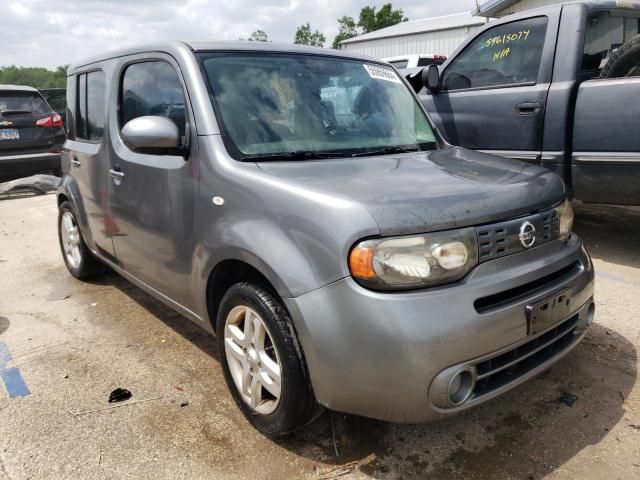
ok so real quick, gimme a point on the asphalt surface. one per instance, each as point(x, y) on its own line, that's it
point(72, 343)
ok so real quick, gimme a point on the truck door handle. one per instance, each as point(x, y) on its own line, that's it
point(75, 162)
point(528, 108)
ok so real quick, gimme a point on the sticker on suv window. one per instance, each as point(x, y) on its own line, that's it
point(381, 73)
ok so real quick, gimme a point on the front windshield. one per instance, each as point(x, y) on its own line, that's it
point(277, 104)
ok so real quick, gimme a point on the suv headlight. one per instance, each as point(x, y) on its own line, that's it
point(565, 219)
point(414, 261)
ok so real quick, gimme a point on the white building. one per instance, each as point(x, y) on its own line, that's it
point(437, 35)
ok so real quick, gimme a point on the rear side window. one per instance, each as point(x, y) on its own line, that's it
point(90, 108)
point(152, 88)
point(507, 54)
point(604, 34)
point(16, 103)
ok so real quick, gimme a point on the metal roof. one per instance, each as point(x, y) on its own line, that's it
point(492, 8)
point(18, 88)
point(423, 25)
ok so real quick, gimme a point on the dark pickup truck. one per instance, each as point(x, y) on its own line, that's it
point(552, 86)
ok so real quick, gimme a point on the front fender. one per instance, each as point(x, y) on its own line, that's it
point(292, 261)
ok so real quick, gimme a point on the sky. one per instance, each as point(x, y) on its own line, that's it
point(47, 33)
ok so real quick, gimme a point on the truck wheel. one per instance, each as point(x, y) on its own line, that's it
point(624, 61)
point(77, 257)
point(262, 361)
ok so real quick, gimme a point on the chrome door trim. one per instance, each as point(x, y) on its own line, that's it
point(606, 158)
point(525, 155)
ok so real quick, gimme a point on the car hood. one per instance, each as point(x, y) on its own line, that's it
point(428, 191)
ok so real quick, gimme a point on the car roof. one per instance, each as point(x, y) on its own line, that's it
point(409, 56)
point(219, 45)
point(18, 88)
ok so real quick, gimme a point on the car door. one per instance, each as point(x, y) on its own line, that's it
point(153, 195)
point(88, 157)
point(494, 90)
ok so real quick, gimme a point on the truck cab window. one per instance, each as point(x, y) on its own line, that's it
point(603, 34)
point(152, 88)
point(507, 54)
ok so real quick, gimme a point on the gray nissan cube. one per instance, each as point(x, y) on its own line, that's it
point(299, 204)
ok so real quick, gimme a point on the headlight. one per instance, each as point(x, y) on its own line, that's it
point(565, 219)
point(414, 261)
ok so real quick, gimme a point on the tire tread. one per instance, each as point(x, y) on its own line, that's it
point(303, 407)
point(622, 59)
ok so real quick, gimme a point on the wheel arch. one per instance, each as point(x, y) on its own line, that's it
point(228, 272)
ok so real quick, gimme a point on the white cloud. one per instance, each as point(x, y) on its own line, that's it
point(46, 33)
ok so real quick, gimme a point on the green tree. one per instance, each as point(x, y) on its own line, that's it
point(347, 29)
point(36, 77)
point(304, 36)
point(371, 20)
point(259, 36)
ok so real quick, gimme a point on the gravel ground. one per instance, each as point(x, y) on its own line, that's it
point(75, 342)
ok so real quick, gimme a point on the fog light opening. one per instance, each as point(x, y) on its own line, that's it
point(591, 311)
point(460, 387)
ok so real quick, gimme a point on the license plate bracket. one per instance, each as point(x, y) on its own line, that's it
point(9, 134)
point(545, 313)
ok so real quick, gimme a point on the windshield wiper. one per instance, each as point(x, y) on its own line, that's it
point(297, 155)
point(396, 149)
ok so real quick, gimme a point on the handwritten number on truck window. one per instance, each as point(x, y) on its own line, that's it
point(508, 37)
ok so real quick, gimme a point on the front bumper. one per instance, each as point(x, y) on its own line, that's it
point(24, 165)
point(382, 355)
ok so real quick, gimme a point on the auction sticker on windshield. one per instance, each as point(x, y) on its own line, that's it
point(381, 73)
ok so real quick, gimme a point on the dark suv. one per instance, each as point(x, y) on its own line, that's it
point(31, 134)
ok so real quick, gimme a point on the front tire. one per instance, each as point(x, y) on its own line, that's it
point(262, 361)
point(77, 257)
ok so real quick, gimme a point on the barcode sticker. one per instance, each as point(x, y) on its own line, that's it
point(381, 73)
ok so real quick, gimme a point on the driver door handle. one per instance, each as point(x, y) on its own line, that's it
point(528, 108)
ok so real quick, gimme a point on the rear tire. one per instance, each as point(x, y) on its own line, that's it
point(262, 361)
point(624, 61)
point(79, 260)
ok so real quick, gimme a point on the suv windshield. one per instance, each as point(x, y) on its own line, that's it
point(306, 106)
point(16, 102)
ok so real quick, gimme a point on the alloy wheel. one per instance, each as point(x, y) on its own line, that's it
point(70, 239)
point(253, 359)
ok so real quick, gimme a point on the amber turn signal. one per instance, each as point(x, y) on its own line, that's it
point(361, 262)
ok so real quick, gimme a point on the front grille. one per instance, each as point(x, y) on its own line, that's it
point(508, 367)
point(499, 239)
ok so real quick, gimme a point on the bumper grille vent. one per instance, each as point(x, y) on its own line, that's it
point(507, 367)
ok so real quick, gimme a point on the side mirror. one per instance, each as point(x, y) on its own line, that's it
point(431, 78)
point(151, 132)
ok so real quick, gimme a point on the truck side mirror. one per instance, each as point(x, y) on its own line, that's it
point(431, 79)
